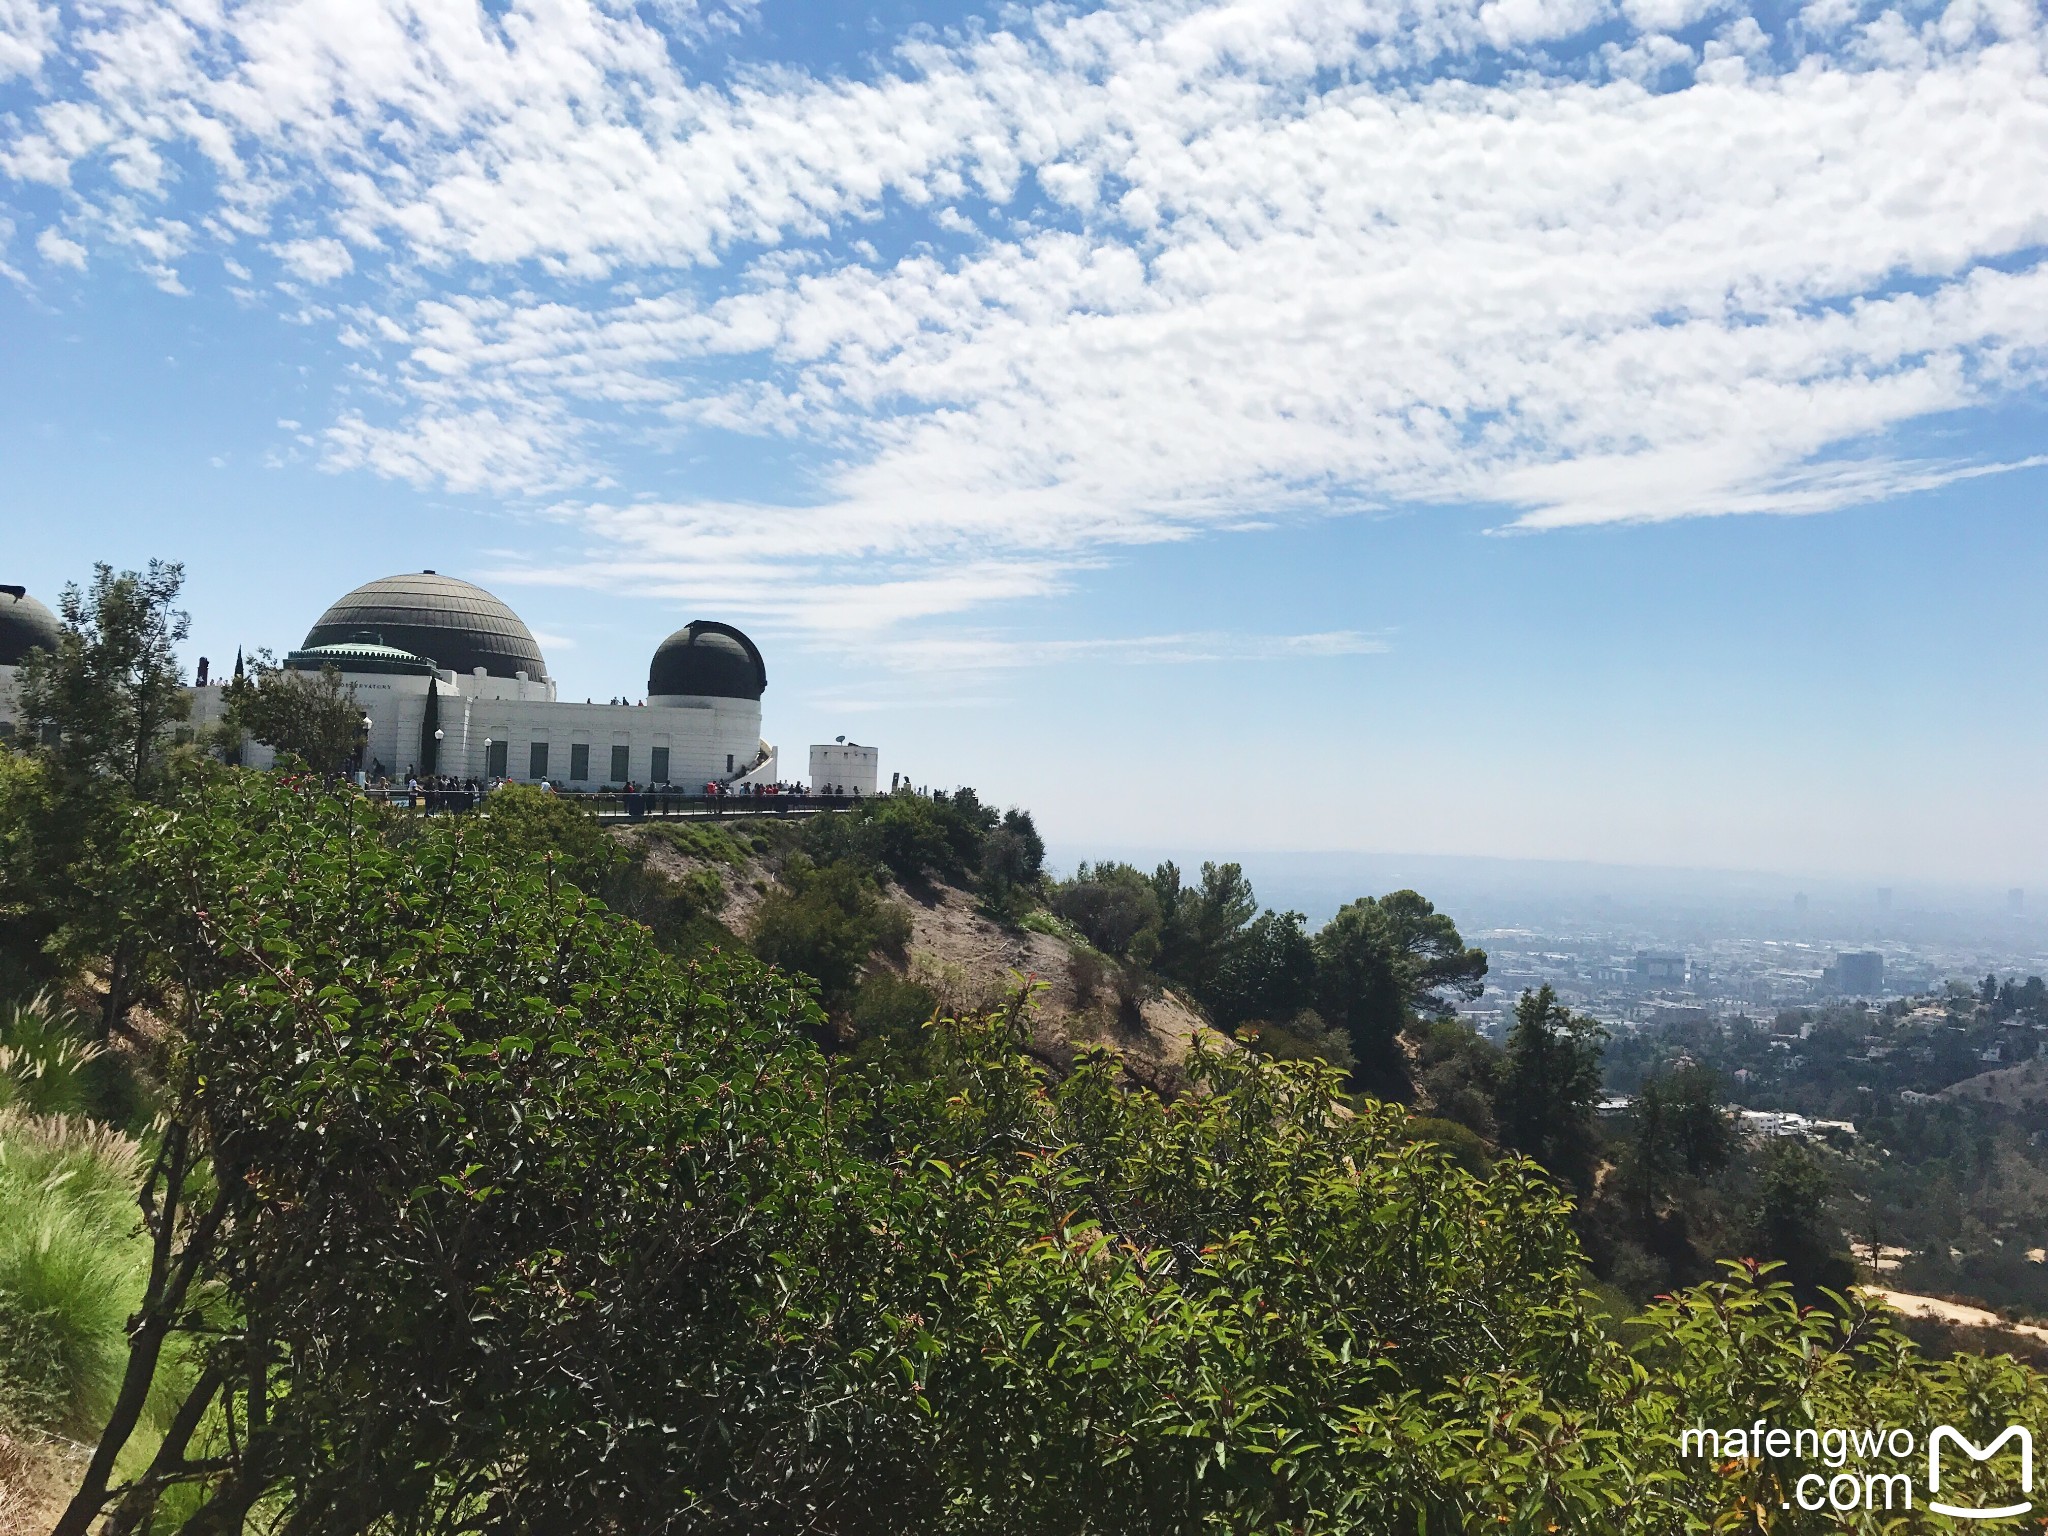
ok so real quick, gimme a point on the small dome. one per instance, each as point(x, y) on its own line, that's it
point(707, 660)
point(361, 659)
point(455, 624)
point(25, 625)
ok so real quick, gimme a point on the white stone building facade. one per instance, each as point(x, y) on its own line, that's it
point(428, 654)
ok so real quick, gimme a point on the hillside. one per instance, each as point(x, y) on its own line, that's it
point(844, 1272)
point(2020, 1087)
point(966, 958)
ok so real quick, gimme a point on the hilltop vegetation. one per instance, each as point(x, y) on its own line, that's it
point(494, 1210)
point(498, 1173)
point(1947, 1174)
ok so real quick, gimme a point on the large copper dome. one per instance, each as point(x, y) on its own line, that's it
point(25, 625)
point(456, 624)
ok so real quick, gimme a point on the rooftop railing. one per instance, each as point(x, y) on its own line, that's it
point(619, 805)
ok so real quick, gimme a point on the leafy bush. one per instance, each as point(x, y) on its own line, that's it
point(1304, 1037)
point(826, 921)
point(918, 837)
point(1455, 1141)
point(1115, 908)
point(888, 1016)
point(1012, 862)
point(521, 824)
point(527, 1226)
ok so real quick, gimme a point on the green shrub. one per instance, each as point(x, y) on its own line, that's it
point(45, 1059)
point(526, 826)
point(1304, 1037)
point(71, 1267)
point(705, 840)
point(538, 1229)
point(913, 837)
point(826, 921)
point(1457, 1142)
point(889, 1014)
point(1114, 906)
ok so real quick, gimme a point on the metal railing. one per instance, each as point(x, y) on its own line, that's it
point(617, 805)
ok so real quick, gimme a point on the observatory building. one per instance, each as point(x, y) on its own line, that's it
point(25, 625)
point(453, 682)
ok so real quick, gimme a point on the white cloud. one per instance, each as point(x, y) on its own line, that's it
point(1654, 16)
point(986, 653)
point(1236, 261)
point(60, 252)
point(27, 31)
point(317, 261)
point(476, 450)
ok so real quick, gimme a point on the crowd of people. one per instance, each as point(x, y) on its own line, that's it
point(448, 792)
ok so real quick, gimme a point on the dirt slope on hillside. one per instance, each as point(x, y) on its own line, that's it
point(2014, 1087)
point(970, 961)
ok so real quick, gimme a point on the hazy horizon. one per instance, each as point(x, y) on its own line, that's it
point(1680, 904)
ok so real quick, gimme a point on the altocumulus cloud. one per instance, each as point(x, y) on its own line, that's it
point(1154, 268)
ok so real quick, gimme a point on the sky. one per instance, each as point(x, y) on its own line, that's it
point(1602, 430)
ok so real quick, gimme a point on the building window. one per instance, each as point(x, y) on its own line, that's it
point(728, 762)
point(659, 772)
point(579, 762)
point(618, 765)
point(537, 760)
point(498, 760)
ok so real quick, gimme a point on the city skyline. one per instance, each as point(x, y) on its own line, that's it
point(1548, 431)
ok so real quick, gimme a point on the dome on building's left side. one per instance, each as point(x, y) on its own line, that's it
point(25, 625)
point(457, 624)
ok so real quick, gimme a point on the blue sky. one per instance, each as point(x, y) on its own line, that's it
point(1592, 429)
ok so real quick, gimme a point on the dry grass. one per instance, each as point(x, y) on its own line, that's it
point(36, 1478)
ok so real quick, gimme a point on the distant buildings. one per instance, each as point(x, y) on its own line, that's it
point(1859, 973)
point(1769, 1124)
point(1662, 1011)
point(1659, 970)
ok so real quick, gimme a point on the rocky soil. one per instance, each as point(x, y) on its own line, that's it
point(971, 961)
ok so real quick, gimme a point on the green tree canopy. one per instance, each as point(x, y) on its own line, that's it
point(108, 695)
point(1550, 1086)
point(314, 717)
point(1201, 926)
point(1789, 1220)
point(101, 707)
point(827, 921)
point(1383, 963)
point(1268, 974)
point(1012, 857)
point(508, 1221)
point(1115, 906)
